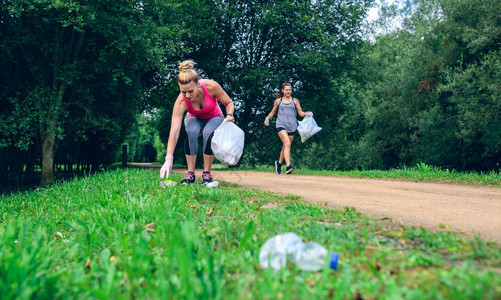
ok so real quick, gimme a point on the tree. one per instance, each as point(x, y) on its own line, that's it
point(473, 81)
point(431, 90)
point(141, 139)
point(251, 47)
point(68, 59)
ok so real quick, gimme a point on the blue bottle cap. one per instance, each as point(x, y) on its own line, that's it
point(334, 259)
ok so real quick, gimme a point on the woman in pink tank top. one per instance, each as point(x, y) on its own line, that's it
point(199, 98)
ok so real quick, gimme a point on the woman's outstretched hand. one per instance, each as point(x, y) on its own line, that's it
point(167, 167)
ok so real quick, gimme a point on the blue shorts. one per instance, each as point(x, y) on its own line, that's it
point(282, 128)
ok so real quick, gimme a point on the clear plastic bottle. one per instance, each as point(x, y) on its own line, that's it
point(212, 184)
point(308, 256)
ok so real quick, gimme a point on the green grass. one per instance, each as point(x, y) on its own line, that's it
point(420, 172)
point(117, 235)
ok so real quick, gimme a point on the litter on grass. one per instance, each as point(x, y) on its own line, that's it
point(212, 184)
point(165, 183)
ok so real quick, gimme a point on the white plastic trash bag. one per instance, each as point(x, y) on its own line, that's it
point(307, 128)
point(228, 143)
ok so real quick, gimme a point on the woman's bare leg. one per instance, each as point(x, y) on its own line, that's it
point(191, 160)
point(208, 160)
point(286, 148)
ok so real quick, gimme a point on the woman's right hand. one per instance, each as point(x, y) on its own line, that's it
point(167, 167)
point(266, 121)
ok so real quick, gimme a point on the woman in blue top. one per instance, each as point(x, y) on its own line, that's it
point(287, 107)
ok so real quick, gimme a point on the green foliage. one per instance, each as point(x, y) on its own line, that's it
point(77, 73)
point(431, 92)
point(251, 47)
point(118, 235)
point(141, 140)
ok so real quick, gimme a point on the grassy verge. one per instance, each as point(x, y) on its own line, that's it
point(118, 235)
point(420, 172)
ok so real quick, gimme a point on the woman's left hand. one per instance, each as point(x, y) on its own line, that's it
point(229, 118)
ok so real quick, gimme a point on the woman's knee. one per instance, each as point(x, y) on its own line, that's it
point(206, 133)
point(193, 132)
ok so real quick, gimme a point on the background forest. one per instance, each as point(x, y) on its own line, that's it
point(421, 83)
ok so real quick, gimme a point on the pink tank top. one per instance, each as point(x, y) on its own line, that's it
point(211, 108)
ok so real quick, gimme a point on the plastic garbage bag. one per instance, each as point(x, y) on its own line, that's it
point(228, 143)
point(307, 128)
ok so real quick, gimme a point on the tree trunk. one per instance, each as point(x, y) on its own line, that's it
point(48, 159)
point(48, 137)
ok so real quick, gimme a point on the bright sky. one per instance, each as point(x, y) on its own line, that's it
point(373, 12)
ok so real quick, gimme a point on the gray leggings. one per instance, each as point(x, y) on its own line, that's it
point(196, 127)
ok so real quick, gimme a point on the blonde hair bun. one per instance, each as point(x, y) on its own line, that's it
point(187, 72)
point(186, 65)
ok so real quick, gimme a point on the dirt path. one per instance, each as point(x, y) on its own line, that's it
point(469, 210)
